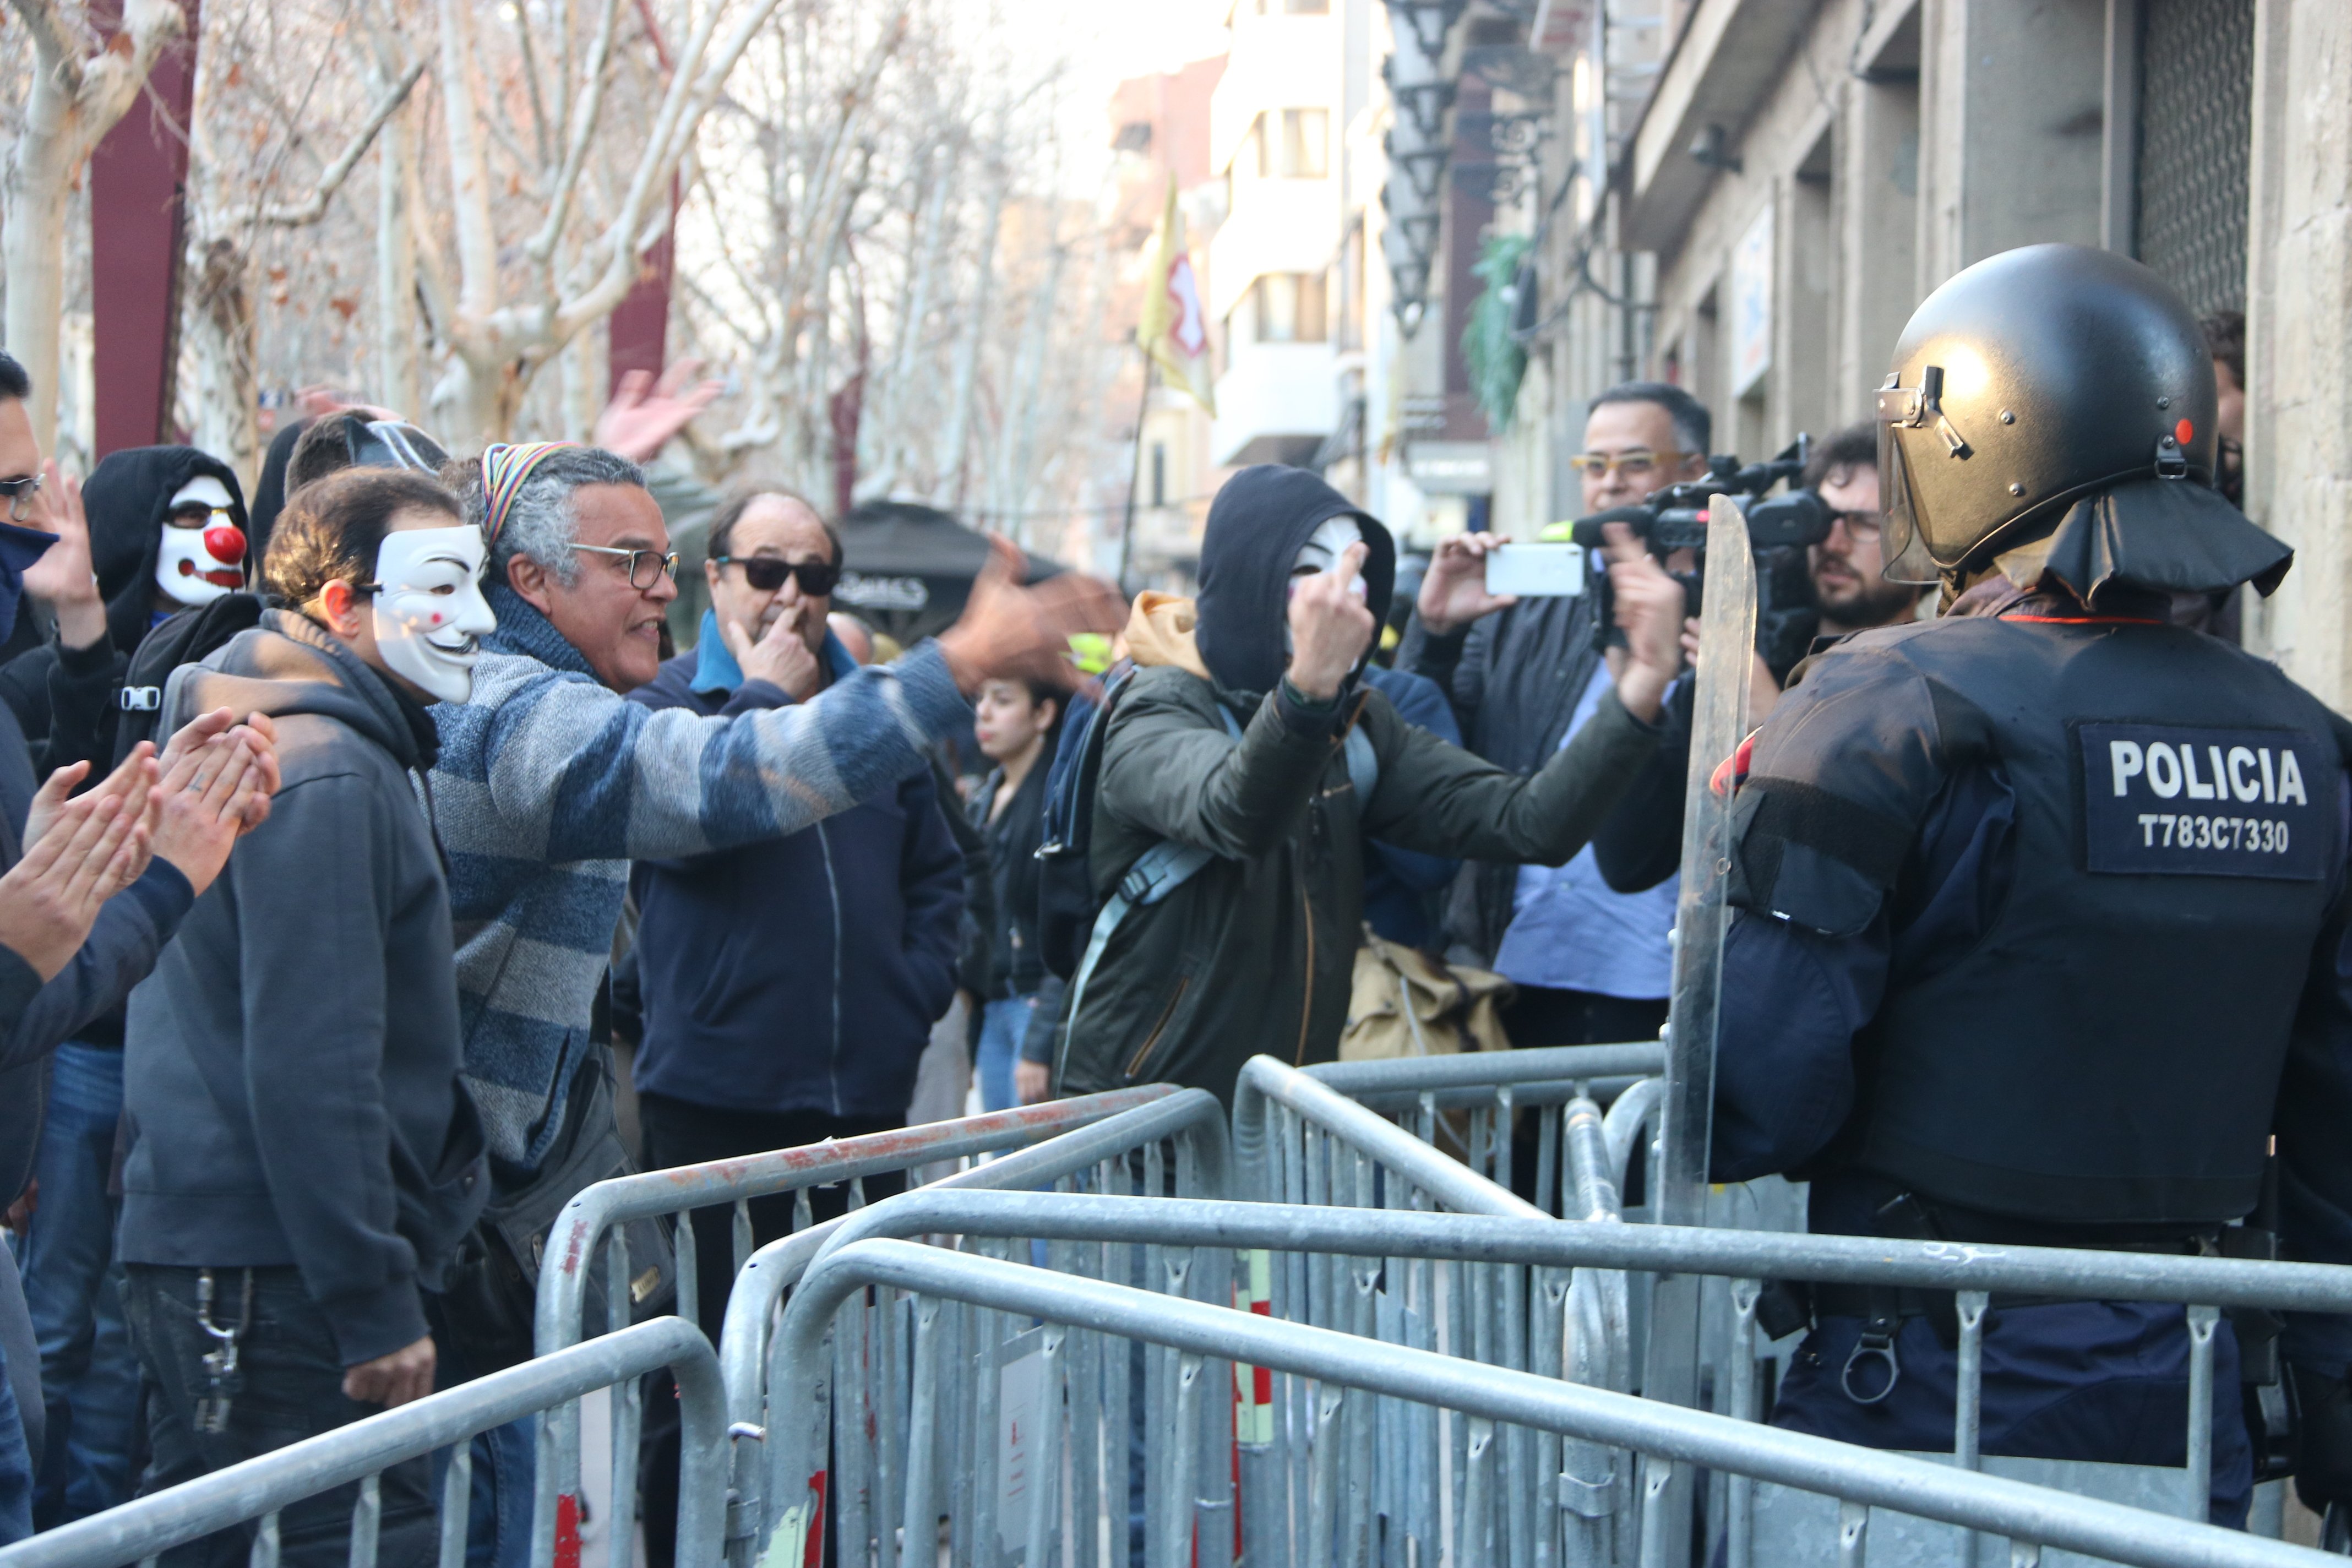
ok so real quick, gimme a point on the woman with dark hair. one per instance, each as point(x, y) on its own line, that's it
point(1016, 723)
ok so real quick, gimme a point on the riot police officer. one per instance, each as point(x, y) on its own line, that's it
point(2039, 904)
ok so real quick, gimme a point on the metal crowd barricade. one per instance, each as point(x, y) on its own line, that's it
point(1489, 1089)
point(893, 1435)
point(259, 1489)
point(1300, 1140)
point(1295, 1138)
point(1896, 1489)
point(593, 1221)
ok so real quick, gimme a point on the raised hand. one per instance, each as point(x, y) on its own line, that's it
point(1330, 626)
point(62, 578)
point(1009, 631)
point(645, 413)
point(1453, 592)
point(1650, 613)
point(780, 657)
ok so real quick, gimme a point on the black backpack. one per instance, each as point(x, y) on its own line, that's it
point(185, 638)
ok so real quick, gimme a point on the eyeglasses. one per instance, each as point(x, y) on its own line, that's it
point(20, 492)
point(1862, 527)
point(200, 514)
point(766, 573)
point(1634, 465)
point(644, 567)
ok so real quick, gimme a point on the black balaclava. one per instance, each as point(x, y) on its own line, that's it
point(1256, 526)
point(125, 497)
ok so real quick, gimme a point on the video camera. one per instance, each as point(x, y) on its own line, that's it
point(1780, 531)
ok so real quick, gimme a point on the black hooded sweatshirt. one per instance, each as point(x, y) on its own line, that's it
point(64, 698)
point(1255, 952)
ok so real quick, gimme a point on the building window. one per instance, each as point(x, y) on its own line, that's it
point(1290, 308)
point(1290, 143)
point(1305, 144)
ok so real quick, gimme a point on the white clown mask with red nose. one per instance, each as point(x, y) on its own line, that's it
point(202, 555)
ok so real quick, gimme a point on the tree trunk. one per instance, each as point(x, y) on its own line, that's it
point(226, 416)
point(33, 197)
point(395, 275)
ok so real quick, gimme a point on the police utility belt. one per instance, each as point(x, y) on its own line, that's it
point(1873, 1368)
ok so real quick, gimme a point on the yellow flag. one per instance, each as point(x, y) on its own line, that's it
point(1174, 330)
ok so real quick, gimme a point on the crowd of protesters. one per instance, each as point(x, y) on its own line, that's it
point(344, 834)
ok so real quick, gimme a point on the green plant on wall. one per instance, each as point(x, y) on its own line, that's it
point(1495, 358)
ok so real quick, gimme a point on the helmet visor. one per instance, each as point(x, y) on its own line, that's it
point(1904, 531)
point(393, 444)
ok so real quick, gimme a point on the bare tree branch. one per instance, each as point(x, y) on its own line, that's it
point(585, 113)
point(314, 207)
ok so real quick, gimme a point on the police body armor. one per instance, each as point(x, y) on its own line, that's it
point(2109, 1051)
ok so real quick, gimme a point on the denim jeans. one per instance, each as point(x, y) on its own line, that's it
point(506, 1467)
point(89, 1378)
point(16, 1457)
point(1004, 1025)
point(293, 1388)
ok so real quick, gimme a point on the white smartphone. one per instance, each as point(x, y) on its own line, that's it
point(1537, 571)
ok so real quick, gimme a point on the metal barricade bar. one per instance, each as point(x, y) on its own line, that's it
point(590, 1220)
point(1191, 1120)
point(1547, 1246)
point(2030, 1517)
point(1483, 1069)
point(1265, 1082)
point(572, 1243)
point(260, 1487)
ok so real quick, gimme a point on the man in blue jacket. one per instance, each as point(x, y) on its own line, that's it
point(790, 986)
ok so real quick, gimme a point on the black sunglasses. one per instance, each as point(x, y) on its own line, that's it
point(766, 573)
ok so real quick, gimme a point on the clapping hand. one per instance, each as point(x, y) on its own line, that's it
point(92, 848)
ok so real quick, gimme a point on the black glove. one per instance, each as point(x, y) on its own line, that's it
point(2323, 1439)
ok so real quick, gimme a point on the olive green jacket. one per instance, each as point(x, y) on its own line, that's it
point(1255, 952)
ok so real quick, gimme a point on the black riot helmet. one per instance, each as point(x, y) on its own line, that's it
point(2051, 382)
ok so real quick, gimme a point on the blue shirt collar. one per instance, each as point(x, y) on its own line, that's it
point(716, 671)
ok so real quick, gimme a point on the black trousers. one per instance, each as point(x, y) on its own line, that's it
point(679, 1133)
point(1542, 1015)
point(291, 1387)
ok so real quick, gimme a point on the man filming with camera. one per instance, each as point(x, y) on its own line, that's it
point(1524, 674)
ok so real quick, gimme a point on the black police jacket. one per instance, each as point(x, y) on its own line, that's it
point(2105, 1047)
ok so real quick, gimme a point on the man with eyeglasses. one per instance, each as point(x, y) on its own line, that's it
point(1639, 847)
point(549, 780)
point(1524, 676)
point(788, 986)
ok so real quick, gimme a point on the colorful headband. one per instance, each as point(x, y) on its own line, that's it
point(505, 468)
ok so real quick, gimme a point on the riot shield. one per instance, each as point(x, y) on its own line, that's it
point(1678, 1182)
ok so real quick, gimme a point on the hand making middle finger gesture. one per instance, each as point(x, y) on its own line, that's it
point(1330, 626)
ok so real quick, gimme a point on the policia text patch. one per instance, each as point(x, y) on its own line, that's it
point(2213, 803)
